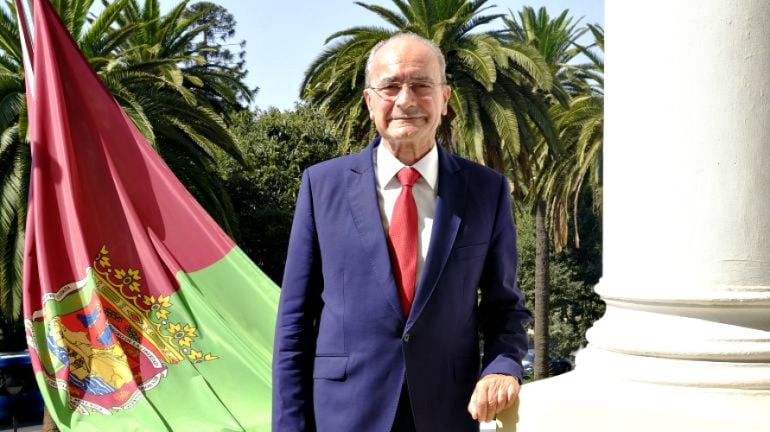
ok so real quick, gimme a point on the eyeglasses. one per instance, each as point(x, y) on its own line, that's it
point(389, 91)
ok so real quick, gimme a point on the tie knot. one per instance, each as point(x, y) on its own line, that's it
point(408, 176)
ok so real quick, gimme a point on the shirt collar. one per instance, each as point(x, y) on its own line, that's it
point(388, 166)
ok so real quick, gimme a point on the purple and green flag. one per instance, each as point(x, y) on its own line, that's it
point(141, 314)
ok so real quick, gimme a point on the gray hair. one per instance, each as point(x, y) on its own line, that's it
point(404, 35)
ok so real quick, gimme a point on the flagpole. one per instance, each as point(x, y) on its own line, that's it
point(26, 39)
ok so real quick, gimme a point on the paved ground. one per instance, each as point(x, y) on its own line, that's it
point(23, 428)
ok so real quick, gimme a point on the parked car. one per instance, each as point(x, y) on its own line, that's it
point(556, 366)
point(20, 400)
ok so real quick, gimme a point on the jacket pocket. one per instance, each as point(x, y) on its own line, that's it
point(330, 367)
point(470, 251)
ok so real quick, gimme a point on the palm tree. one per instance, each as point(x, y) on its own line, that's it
point(553, 39)
point(145, 59)
point(581, 132)
point(581, 127)
point(493, 113)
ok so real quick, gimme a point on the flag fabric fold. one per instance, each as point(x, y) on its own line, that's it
point(141, 314)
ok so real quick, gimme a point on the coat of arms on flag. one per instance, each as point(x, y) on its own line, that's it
point(116, 342)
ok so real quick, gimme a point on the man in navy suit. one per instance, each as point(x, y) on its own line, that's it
point(401, 258)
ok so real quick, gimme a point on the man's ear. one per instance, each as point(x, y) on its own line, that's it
point(368, 100)
point(446, 93)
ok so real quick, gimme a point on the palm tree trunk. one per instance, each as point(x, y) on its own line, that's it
point(48, 424)
point(495, 158)
point(541, 293)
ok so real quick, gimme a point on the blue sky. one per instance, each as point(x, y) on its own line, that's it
point(284, 36)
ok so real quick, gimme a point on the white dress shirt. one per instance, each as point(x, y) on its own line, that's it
point(424, 190)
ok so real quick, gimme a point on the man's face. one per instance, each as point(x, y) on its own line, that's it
point(414, 115)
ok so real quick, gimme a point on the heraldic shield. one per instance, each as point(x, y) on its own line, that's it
point(106, 341)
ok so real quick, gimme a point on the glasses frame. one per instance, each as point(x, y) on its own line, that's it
point(409, 84)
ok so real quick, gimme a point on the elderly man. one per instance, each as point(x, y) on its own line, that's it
point(400, 257)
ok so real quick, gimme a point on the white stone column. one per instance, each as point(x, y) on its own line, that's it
point(685, 342)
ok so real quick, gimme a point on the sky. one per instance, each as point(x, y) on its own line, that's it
point(283, 37)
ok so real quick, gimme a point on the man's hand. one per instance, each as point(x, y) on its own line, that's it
point(493, 393)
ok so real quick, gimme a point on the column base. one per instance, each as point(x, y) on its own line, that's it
point(588, 399)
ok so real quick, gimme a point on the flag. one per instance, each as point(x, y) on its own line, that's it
point(140, 313)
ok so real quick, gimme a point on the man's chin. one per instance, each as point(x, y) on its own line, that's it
point(405, 131)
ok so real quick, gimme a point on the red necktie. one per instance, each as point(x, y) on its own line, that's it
point(402, 236)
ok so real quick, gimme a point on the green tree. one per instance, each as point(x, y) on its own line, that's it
point(493, 109)
point(581, 132)
point(553, 38)
point(214, 44)
point(145, 60)
point(574, 306)
point(572, 184)
point(277, 147)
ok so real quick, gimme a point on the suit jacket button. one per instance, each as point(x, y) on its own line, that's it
point(406, 337)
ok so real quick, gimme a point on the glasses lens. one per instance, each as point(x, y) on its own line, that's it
point(391, 90)
point(421, 88)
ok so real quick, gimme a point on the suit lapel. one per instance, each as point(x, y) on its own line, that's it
point(450, 202)
point(365, 207)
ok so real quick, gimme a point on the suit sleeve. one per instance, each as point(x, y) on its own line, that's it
point(295, 334)
point(502, 311)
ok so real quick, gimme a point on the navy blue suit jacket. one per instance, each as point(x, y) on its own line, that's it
point(343, 346)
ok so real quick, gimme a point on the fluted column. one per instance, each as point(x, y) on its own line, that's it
point(685, 342)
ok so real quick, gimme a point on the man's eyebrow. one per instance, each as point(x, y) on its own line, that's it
point(421, 78)
point(389, 79)
point(392, 79)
